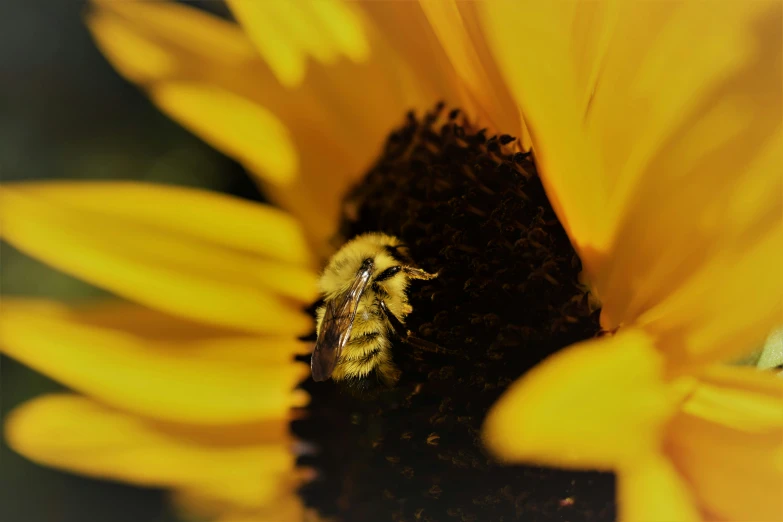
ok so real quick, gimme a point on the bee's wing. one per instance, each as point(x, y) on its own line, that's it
point(336, 326)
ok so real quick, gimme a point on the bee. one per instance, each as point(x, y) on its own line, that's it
point(364, 288)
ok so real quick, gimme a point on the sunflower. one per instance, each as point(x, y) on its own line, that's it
point(656, 130)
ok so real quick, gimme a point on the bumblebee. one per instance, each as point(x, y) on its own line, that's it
point(364, 288)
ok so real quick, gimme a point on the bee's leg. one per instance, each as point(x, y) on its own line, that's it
point(388, 273)
point(410, 271)
point(418, 273)
point(408, 337)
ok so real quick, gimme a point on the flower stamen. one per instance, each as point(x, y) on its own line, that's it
point(508, 295)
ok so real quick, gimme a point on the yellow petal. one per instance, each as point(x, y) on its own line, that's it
point(82, 436)
point(547, 53)
point(742, 398)
point(598, 404)
point(192, 253)
point(728, 443)
point(248, 493)
point(227, 220)
point(139, 59)
point(209, 381)
point(686, 103)
point(728, 307)
point(196, 53)
point(213, 499)
point(723, 222)
point(681, 208)
point(287, 34)
point(193, 32)
point(457, 27)
point(121, 316)
point(651, 490)
point(646, 113)
point(233, 124)
point(286, 509)
point(334, 124)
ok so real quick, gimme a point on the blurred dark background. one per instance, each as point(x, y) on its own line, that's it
point(65, 114)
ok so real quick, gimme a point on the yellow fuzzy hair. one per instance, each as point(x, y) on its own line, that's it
point(368, 348)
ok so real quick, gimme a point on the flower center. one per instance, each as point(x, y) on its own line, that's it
point(473, 208)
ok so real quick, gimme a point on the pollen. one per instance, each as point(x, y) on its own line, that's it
point(470, 205)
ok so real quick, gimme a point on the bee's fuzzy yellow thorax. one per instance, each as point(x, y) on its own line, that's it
point(382, 301)
point(339, 273)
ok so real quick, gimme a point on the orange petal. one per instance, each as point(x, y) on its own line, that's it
point(548, 53)
point(598, 404)
point(726, 309)
point(651, 489)
point(743, 398)
point(679, 207)
point(728, 443)
point(216, 380)
point(82, 436)
point(193, 253)
point(419, 51)
point(456, 25)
